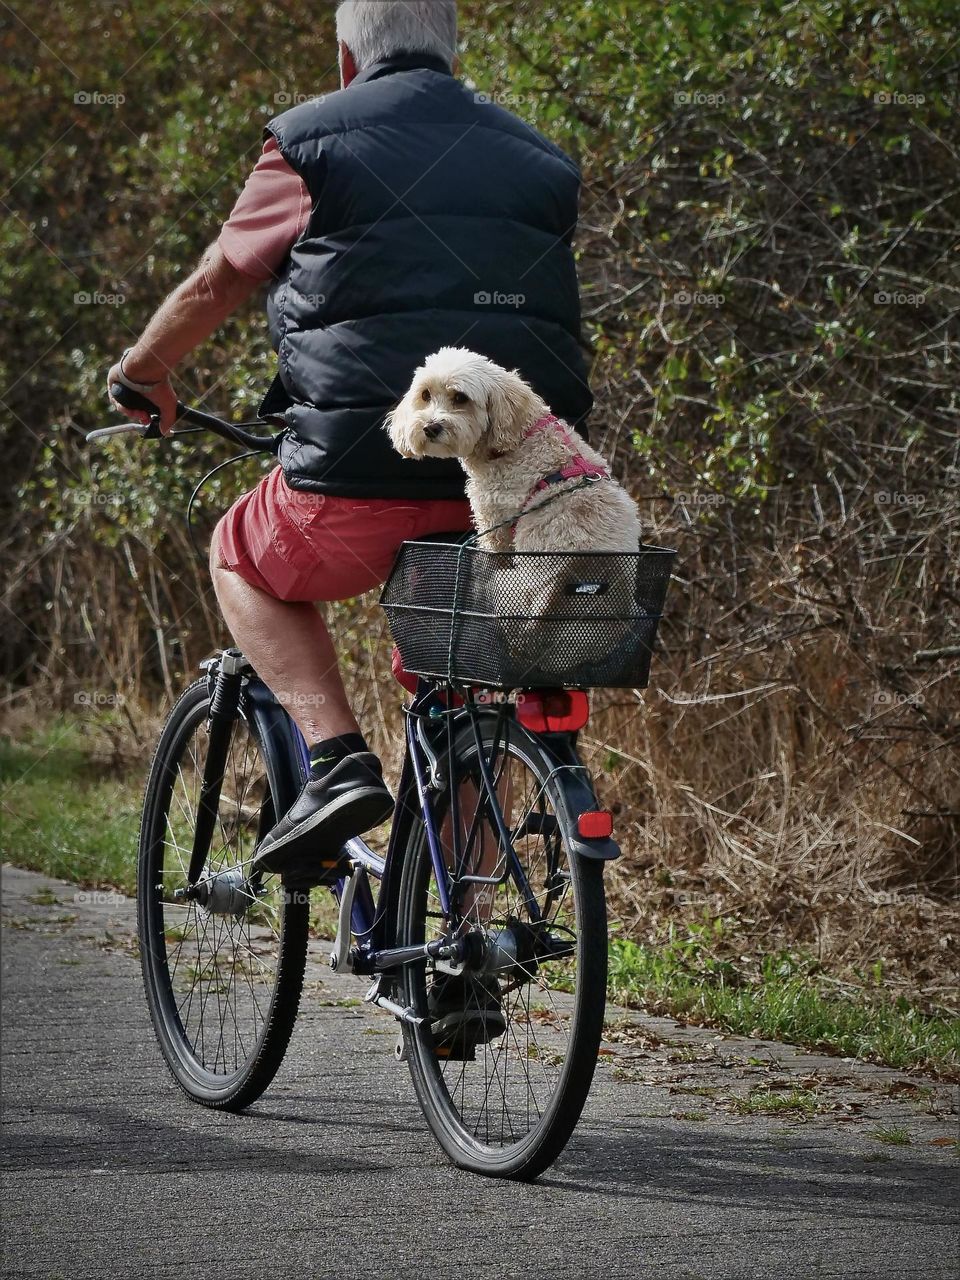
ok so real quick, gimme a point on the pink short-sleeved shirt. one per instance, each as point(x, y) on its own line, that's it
point(270, 214)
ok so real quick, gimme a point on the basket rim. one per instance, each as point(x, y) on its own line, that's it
point(567, 555)
point(476, 615)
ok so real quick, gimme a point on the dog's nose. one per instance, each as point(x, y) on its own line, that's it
point(433, 431)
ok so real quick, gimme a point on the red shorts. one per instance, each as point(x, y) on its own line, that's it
point(304, 546)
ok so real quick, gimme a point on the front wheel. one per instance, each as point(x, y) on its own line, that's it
point(506, 1105)
point(223, 962)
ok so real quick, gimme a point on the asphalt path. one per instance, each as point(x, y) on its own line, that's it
point(109, 1171)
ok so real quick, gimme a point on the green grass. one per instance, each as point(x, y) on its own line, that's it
point(43, 898)
point(60, 813)
point(770, 1102)
point(778, 997)
point(64, 815)
point(893, 1137)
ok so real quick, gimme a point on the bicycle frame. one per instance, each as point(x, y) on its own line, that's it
point(368, 917)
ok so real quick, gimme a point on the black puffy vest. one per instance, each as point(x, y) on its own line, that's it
point(439, 219)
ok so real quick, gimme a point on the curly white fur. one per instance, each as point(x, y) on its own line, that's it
point(462, 405)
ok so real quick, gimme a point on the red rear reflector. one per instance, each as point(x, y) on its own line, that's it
point(597, 824)
point(553, 710)
point(408, 681)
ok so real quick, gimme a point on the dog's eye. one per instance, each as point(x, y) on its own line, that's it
point(459, 398)
point(425, 395)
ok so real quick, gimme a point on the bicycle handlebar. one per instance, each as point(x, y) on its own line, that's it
point(194, 417)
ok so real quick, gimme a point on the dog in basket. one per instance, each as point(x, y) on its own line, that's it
point(533, 486)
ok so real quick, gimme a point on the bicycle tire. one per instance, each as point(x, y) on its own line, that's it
point(534, 1150)
point(226, 1089)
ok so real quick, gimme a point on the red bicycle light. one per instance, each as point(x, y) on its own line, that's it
point(595, 824)
point(553, 710)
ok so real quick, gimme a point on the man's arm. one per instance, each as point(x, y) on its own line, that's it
point(190, 314)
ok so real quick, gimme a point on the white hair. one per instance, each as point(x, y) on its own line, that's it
point(375, 30)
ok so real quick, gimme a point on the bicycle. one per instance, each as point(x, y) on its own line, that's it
point(492, 876)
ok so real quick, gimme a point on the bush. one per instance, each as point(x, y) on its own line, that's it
point(770, 293)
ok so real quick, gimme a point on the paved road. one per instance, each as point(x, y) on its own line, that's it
point(109, 1172)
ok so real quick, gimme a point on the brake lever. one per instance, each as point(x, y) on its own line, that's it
point(129, 399)
point(121, 428)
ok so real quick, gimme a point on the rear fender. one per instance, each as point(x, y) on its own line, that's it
point(576, 792)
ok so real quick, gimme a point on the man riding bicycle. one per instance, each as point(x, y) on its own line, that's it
point(399, 215)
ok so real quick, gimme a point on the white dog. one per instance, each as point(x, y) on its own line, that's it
point(533, 485)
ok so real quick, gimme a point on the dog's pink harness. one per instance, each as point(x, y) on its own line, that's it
point(578, 467)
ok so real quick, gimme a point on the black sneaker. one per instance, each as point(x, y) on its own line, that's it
point(349, 800)
point(465, 1010)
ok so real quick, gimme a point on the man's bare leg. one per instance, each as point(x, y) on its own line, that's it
point(290, 648)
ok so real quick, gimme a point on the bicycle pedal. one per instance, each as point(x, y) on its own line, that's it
point(455, 1053)
point(311, 875)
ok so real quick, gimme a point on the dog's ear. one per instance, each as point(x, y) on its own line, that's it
point(395, 423)
point(511, 407)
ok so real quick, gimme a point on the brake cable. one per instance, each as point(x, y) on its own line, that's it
point(252, 453)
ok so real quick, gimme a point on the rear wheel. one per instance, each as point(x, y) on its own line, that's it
point(223, 966)
point(507, 1108)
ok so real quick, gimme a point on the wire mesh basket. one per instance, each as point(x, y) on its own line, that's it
point(523, 620)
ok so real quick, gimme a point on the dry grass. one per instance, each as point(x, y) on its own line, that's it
point(801, 785)
point(777, 780)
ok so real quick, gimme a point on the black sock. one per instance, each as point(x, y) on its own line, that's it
point(324, 755)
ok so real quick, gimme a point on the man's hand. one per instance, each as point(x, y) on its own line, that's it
point(162, 394)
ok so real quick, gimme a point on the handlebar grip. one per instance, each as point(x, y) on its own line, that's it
point(130, 399)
